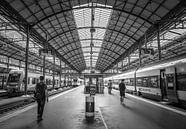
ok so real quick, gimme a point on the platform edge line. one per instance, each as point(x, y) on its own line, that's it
point(106, 127)
point(157, 104)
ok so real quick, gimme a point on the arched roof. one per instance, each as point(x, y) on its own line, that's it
point(119, 25)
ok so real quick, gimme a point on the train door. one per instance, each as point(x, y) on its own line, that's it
point(171, 84)
point(163, 84)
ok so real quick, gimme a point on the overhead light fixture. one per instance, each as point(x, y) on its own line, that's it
point(91, 45)
point(92, 30)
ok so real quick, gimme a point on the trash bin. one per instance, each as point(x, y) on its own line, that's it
point(89, 107)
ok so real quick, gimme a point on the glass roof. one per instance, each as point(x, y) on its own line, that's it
point(167, 37)
point(18, 38)
point(119, 28)
point(11, 32)
point(83, 22)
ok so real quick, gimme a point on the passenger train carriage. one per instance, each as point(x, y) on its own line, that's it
point(3, 76)
point(15, 81)
point(162, 81)
point(77, 82)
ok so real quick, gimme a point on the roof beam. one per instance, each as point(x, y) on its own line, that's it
point(163, 24)
point(88, 27)
point(85, 39)
point(14, 16)
point(89, 52)
point(84, 7)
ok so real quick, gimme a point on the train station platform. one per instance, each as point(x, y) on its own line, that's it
point(67, 111)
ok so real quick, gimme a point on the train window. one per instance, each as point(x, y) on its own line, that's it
point(131, 81)
point(47, 81)
point(170, 82)
point(14, 78)
point(34, 81)
point(181, 82)
point(154, 82)
point(28, 80)
point(145, 82)
point(127, 81)
point(139, 82)
point(37, 80)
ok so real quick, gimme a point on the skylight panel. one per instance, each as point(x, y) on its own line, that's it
point(96, 49)
point(82, 17)
point(83, 22)
point(99, 34)
point(84, 33)
point(86, 49)
point(101, 17)
point(85, 44)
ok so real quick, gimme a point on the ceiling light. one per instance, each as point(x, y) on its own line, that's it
point(92, 30)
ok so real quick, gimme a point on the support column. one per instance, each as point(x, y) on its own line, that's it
point(158, 41)
point(60, 75)
point(53, 71)
point(117, 68)
point(71, 79)
point(135, 89)
point(65, 82)
point(19, 64)
point(140, 53)
point(8, 63)
point(122, 66)
point(129, 61)
point(26, 58)
point(68, 78)
point(44, 58)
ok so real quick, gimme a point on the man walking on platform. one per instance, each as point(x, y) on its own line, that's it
point(41, 94)
point(109, 86)
point(122, 91)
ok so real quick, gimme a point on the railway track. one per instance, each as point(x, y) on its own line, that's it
point(11, 106)
point(17, 104)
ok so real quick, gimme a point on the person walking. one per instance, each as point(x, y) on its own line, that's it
point(122, 88)
point(110, 86)
point(41, 94)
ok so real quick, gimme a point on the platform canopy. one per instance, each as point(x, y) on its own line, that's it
point(64, 26)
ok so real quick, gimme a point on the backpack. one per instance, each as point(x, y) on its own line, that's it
point(38, 93)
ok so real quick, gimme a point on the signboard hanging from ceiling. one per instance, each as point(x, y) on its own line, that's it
point(45, 52)
point(147, 51)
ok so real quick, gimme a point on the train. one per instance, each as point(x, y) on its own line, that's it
point(16, 81)
point(77, 82)
point(162, 81)
point(3, 75)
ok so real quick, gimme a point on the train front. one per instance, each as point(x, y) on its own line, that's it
point(14, 82)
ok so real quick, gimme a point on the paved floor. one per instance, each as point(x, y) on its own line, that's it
point(67, 111)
